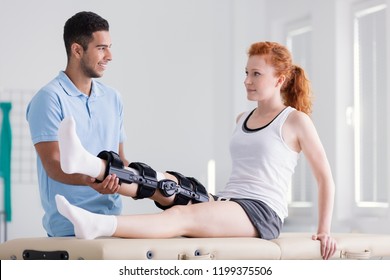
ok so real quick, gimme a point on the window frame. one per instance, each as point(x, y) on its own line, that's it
point(303, 177)
point(366, 207)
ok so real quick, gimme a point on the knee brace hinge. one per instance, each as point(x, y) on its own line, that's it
point(188, 189)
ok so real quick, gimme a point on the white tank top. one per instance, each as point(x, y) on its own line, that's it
point(263, 164)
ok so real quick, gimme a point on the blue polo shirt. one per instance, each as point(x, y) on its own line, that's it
point(99, 125)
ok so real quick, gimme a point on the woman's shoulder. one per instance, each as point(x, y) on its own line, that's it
point(298, 117)
point(300, 122)
point(239, 116)
point(245, 113)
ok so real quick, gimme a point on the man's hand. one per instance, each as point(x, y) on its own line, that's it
point(328, 244)
point(110, 184)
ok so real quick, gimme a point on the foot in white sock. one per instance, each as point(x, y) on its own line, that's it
point(74, 158)
point(87, 225)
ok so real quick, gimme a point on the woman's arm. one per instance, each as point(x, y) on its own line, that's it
point(310, 144)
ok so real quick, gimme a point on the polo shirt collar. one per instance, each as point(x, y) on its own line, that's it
point(72, 90)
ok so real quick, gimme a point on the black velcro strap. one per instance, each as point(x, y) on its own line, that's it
point(148, 174)
point(186, 185)
point(199, 190)
point(112, 158)
point(188, 189)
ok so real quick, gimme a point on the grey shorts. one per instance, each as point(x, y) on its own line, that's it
point(263, 218)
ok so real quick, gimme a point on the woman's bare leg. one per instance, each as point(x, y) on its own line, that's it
point(209, 219)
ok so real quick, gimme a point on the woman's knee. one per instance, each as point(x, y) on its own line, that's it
point(185, 215)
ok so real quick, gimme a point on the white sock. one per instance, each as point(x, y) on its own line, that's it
point(74, 158)
point(87, 225)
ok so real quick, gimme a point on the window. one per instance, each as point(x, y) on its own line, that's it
point(371, 117)
point(303, 183)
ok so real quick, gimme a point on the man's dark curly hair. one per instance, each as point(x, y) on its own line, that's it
point(79, 29)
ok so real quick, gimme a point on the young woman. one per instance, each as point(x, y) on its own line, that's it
point(264, 149)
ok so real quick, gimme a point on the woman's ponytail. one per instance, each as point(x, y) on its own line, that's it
point(296, 90)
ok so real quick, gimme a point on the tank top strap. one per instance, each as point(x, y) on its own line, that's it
point(281, 118)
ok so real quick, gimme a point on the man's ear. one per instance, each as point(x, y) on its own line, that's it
point(77, 50)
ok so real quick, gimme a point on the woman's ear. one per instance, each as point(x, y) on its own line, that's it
point(281, 80)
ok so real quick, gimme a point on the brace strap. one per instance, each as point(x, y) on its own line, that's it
point(147, 185)
point(189, 189)
point(113, 160)
point(147, 181)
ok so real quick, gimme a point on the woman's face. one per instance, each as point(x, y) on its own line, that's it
point(260, 82)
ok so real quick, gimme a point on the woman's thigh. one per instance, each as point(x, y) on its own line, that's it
point(217, 219)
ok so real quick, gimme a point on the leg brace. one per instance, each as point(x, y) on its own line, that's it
point(188, 188)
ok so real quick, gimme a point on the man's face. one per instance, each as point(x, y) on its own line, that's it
point(95, 59)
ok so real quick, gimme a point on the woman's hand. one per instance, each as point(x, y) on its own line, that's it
point(328, 244)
